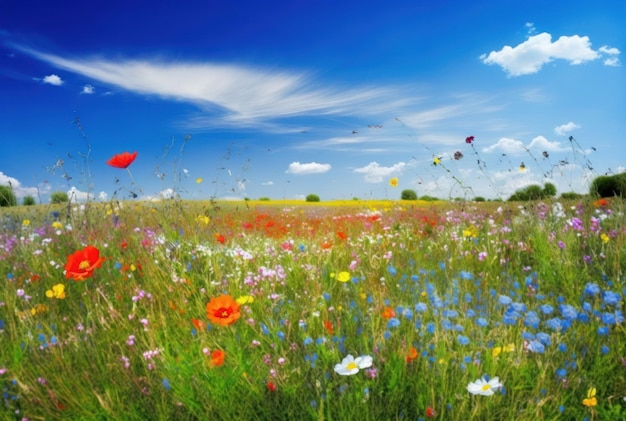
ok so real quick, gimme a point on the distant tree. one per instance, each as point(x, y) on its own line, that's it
point(28, 201)
point(59, 197)
point(428, 198)
point(312, 198)
point(479, 199)
point(549, 190)
point(7, 197)
point(408, 194)
point(570, 195)
point(264, 199)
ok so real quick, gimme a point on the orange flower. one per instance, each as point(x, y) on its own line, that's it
point(198, 324)
point(223, 310)
point(388, 313)
point(411, 355)
point(217, 358)
point(219, 238)
point(600, 203)
point(326, 245)
point(342, 235)
point(81, 264)
point(329, 327)
point(122, 160)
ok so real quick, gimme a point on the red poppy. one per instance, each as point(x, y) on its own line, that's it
point(342, 235)
point(122, 160)
point(223, 310)
point(81, 264)
point(271, 387)
point(388, 313)
point(600, 203)
point(219, 238)
point(469, 139)
point(430, 412)
point(329, 327)
point(411, 355)
point(217, 358)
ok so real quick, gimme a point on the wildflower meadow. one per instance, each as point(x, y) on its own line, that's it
point(354, 310)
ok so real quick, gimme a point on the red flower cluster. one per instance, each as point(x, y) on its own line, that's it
point(469, 139)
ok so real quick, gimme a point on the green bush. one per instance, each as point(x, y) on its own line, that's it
point(264, 199)
point(7, 197)
point(408, 194)
point(533, 192)
point(609, 185)
point(428, 198)
point(28, 201)
point(570, 195)
point(479, 199)
point(312, 198)
point(59, 197)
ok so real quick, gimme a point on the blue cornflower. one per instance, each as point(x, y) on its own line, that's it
point(605, 349)
point(421, 307)
point(611, 298)
point(546, 308)
point(504, 300)
point(481, 321)
point(568, 311)
point(307, 340)
point(561, 372)
point(528, 336)
point(603, 331)
point(430, 327)
point(470, 313)
point(544, 338)
point(166, 384)
point(450, 313)
point(554, 324)
point(466, 275)
point(608, 318)
point(519, 307)
point(536, 347)
point(592, 289)
point(393, 322)
point(463, 340)
point(532, 320)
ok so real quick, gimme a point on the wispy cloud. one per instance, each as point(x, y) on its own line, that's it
point(234, 94)
point(307, 168)
point(19, 189)
point(530, 56)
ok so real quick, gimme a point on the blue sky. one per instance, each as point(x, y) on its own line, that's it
point(282, 99)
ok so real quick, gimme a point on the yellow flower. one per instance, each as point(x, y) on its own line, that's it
point(204, 219)
point(590, 400)
point(343, 276)
point(57, 291)
point(393, 182)
point(26, 222)
point(604, 238)
point(245, 299)
point(436, 160)
point(57, 225)
point(499, 349)
point(522, 167)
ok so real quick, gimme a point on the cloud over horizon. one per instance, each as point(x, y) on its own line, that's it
point(307, 168)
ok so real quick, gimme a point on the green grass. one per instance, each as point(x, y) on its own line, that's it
point(131, 342)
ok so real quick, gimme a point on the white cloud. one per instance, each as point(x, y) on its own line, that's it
point(563, 129)
point(612, 62)
point(103, 196)
point(267, 183)
point(241, 95)
point(53, 80)
point(375, 173)
point(516, 147)
point(529, 56)
point(21, 191)
point(541, 143)
point(506, 145)
point(76, 195)
point(308, 168)
point(609, 50)
point(88, 89)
